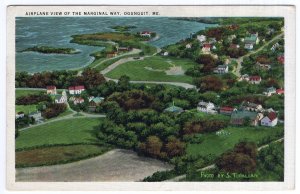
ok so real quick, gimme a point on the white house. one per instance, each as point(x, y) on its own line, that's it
point(20, 115)
point(221, 69)
point(244, 77)
point(275, 46)
point(270, 120)
point(165, 53)
point(60, 99)
point(206, 107)
point(270, 91)
point(76, 89)
point(201, 38)
point(78, 101)
point(248, 46)
point(145, 34)
point(188, 46)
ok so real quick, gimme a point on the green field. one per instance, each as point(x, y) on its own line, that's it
point(216, 145)
point(66, 132)
point(26, 108)
point(57, 154)
point(153, 69)
point(20, 92)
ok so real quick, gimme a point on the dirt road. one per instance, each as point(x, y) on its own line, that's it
point(115, 165)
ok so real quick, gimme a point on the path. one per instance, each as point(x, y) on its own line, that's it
point(239, 60)
point(180, 84)
point(116, 165)
point(133, 51)
point(212, 166)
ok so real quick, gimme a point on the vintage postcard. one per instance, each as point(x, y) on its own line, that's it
point(150, 97)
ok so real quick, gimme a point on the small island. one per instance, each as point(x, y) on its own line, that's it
point(52, 50)
point(122, 28)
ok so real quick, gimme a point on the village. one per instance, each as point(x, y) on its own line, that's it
point(180, 104)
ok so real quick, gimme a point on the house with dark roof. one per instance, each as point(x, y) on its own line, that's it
point(174, 109)
point(221, 69)
point(94, 102)
point(270, 120)
point(241, 117)
point(250, 41)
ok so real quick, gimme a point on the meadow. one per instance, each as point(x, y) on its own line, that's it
point(64, 132)
point(153, 69)
point(217, 144)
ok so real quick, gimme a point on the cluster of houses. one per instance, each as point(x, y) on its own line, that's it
point(250, 112)
point(75, 92)
point(207, 44)
point(272, 90)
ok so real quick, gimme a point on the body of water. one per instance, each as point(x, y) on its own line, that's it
point(57, 31)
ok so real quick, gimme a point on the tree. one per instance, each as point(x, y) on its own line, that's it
point(192, 127)
point(236, 162)
point(242, 159)
point(174, 147)
point(209, 83)
point(153, 146)
point(92, 78)
point(123, 83)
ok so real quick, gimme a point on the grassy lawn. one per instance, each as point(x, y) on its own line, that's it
point(216, 145)
point(153, 69)
point(57, 154)
point(20, 92)
point(70, 131)
point(26, 108)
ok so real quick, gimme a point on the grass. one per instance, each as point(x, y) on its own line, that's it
point(20, 92)
point(26, 108)
point(216, 145)
point(136, 70)
point(57, 154)
point(63, 132)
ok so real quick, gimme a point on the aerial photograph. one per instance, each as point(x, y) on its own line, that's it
point(149, 99)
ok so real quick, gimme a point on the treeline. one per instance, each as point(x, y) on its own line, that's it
point(90, 78)
point(32, 99)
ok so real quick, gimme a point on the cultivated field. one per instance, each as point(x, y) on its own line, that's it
point(154, 68)
point(115, 165)
point(57, 154)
